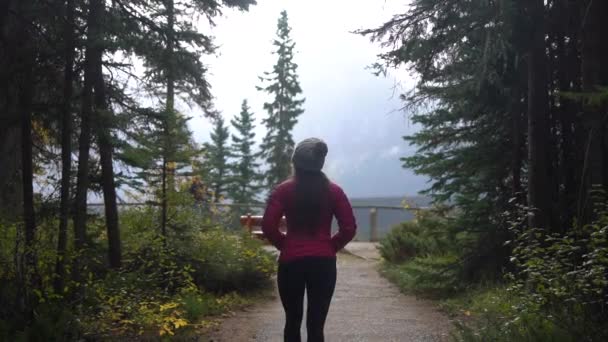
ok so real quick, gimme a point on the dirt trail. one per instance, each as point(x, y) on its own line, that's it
point(365, 307)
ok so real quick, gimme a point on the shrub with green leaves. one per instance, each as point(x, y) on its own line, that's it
point(166, 284)
point(231, 262)
point(558, 290)
point(430, 276)
point(421, 256)
point(169, 283)
point(491, 314)
point(428, 234)
point(565, 275)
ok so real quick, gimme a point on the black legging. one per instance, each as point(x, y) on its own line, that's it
point(318, 276)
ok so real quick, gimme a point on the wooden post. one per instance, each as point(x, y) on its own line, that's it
point(249, 222)
point(373, 225)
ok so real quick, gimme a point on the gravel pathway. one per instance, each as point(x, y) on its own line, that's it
point(365, 307)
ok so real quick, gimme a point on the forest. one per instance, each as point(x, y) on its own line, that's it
point(511, 98)
point(90, 104)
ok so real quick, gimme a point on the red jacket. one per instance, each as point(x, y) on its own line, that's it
point(293, 245)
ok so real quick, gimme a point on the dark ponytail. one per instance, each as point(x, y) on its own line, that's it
point(311, 197)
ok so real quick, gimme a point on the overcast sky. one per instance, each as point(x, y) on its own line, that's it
point(355, 112)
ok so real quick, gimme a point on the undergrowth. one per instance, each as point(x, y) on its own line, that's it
point(166, 286)
point(557, 289)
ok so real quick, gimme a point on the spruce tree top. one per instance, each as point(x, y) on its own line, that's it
point(285, 107)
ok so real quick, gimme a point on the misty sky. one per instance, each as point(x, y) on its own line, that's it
point(355, 112)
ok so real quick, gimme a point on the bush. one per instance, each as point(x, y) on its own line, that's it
point(565, 276)
point(421, 256)
point(557, 292)
point(491, 314)
point(230, 262)
point(428, 234)
point(165, 286)
point(431, 276)
point(168, 284)
point(200, 304)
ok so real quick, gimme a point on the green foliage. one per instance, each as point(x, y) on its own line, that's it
point(52, 322)
point(557, 291)
point(232, 262)
point(426, 235)
point(169, 285)
point(53, 54)
point(565, 275)
point(218, 153)
point(161, 146)
point(592, 99)
point(285, 107)
point(491, 314)
point(245, 176)
point(422, 256)
point(467, 102)
point(430, 276)
point(141, 296)
point(205, 304)
point(165, 35)
point(165, 286)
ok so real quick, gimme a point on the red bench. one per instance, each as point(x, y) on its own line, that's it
point(253, 224)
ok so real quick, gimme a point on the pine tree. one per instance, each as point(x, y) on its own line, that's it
point(469, 107)
point(66, 144)
point(171, 47)
point(484, 67)
point(285, 107)
point(218, 153)
point(150, 153)
point(245, 178)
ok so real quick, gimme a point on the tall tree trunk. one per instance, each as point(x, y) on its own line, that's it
point(170, 101)
point(163, 200)
point(567, 74)
point(109, 197)
point(27, 169)
point(517, 136)
point(603, 32)
point(538, 131)
point(105, 144)
point(24, 65)
point(590, 72)
point(167, 181)
point(66, 147)
point(84, 144)
point(11, 194)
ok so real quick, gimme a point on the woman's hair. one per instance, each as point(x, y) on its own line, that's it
point(310, 198)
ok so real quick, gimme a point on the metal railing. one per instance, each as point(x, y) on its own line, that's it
point(374, 221)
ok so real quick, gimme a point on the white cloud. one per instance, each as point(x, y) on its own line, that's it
point(345, 104)
point(391, 152)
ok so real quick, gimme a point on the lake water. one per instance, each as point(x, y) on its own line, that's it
point(386, 218)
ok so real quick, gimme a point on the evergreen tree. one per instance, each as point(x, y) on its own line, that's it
point(245, 178)
point(152, 154)
point(218, 153)
point(66, 143)
point(91, 116)
point(285, 107)
point(497, 80)
point(469, 106)
point(172, 48)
